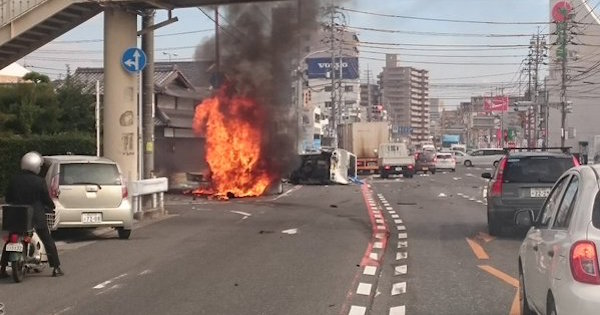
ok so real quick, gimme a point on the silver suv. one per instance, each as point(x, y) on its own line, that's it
point(88, 191)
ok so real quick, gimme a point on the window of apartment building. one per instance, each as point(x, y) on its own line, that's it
point(349, 103)
point(348, 88)
point(317, 118)
point(328, 88)
point(328, 104)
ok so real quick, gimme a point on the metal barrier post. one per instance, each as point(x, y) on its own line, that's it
point(162, 203)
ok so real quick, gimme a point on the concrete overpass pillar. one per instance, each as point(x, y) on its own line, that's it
point(120, 123)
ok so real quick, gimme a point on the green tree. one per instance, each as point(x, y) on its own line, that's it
point(77, 107)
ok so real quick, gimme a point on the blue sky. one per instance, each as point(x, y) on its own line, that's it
point(52, 58)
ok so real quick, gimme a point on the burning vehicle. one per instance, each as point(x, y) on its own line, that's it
point(328, 166)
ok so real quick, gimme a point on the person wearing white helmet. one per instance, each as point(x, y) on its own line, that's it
point(28, 188)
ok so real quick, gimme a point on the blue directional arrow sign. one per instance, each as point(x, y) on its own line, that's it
point(134, 60)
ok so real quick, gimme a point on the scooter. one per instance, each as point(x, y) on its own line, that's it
point(25, 250)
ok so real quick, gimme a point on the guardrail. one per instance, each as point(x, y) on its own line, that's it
point(153, 186)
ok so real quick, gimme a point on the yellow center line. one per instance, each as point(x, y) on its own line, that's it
point(500, 275)
point(515, 309)
point(477, 249)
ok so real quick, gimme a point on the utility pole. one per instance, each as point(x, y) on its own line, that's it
point(369, 100)
point(333, 118)
point(148, 94)
point(562, 29)
point(217, 48)
point(336, 87)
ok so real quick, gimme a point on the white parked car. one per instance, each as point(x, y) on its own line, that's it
point(88, 192)
point(459, 156)
point(484, 157)
point(558, 260)
point(445, 161)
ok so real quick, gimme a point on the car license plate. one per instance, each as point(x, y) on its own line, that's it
point(14, 247)
point(539, 192)
point(398, 168)
point(425, 168)
point(91, 218)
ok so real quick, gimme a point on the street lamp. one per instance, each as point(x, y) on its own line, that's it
point(170, 54)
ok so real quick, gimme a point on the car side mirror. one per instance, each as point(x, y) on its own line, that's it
point(486, 175)
point(524, 218)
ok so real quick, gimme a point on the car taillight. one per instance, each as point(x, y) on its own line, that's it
point(387, 167)
point(498, 184)
point(14, 238)
point(411, 166)
point(54, 187)
point(584, 262)
point(27, 239)
point(575, 161)
point(124, 191)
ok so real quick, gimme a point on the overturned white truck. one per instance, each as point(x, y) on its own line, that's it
point(325, 167)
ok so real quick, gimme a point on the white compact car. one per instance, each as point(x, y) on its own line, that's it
point(88, 192)
point(445, 161)
point(558, 260)
point(484, 157)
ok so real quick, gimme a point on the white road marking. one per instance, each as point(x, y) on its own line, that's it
point(397, 221)
point(479, 201)
point(374, 256)
point(381, 227)
point(379, 235)
point(357, 310)
point(378, 245)
point(290, 231)
point(400, 270)
point(380, 221)
point(460, 194)
point(395, 216)
point(107, 282)
point(364, 288)
point(145, 272)
point(392, 212)
point(399, 288)
point(401, 255)
point(402, 235)
point(245, 214)
point(64, 310)
point(472, 199)
point(370, 270)
point(401, 228)
point(389, 208)
point(287, 193)
point(114, 287)
point(456, 178)
point(398, 310)
point(377, 216)
point(402, 244)
point(442, 195)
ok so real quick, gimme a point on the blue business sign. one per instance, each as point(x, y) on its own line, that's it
point(134, 60)
point(403, 130)
point(319, 68)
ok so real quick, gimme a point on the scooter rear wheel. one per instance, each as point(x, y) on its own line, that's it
point(18, 270)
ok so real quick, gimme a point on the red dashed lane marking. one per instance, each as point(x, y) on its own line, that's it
point(366, 259)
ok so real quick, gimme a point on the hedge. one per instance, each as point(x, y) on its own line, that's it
point(13, 148)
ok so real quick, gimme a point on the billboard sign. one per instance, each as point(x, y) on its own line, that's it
point(496, 104)
point(320, 68)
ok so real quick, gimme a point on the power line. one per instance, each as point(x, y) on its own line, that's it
point(438, 33)
point(97, 40)
point(445, 45)
point(444, 56)
point(442, 20)
point(450, 63)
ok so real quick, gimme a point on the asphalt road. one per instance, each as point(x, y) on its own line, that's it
point(395, 246)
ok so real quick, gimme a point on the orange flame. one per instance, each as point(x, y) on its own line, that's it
point(233, 127)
